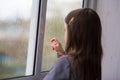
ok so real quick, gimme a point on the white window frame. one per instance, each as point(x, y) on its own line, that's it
point(39, 18)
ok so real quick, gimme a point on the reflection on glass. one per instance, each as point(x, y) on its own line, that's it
point(15, 27)
point(56, 12)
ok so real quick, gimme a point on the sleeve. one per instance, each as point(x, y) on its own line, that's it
point(60, 70)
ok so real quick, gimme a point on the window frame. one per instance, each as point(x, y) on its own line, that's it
point(41, 17)
point(40, 21)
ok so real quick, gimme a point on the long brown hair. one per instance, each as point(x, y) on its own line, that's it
point(84, 44)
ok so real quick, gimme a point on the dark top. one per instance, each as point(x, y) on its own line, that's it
point(61, 70)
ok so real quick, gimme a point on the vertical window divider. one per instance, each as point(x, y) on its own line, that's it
point(40, 40)
point(90, 4)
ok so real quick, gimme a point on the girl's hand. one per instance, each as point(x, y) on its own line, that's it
point(56, 45)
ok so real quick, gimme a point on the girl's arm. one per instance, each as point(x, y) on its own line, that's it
point(60, 71)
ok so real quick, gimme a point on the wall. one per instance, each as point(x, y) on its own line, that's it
point(109, 12)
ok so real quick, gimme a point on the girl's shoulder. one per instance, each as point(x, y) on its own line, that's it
point(65, 58)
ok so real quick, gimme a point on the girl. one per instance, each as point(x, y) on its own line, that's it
point(81, 59)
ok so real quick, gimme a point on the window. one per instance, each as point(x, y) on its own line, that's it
point(22, 25)
point(56, 12)
point(18, 28)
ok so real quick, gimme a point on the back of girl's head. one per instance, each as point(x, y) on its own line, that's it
point(84, 43)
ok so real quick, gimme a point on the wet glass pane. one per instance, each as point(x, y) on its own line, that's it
point(56, 12)
point(15, 38)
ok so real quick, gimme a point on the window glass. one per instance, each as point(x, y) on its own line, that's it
point(17, 38)
point(56, 12)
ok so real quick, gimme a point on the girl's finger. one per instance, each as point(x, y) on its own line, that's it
point(53, 39)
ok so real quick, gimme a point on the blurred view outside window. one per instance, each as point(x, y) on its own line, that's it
point(56, 12)
point(15, 38)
